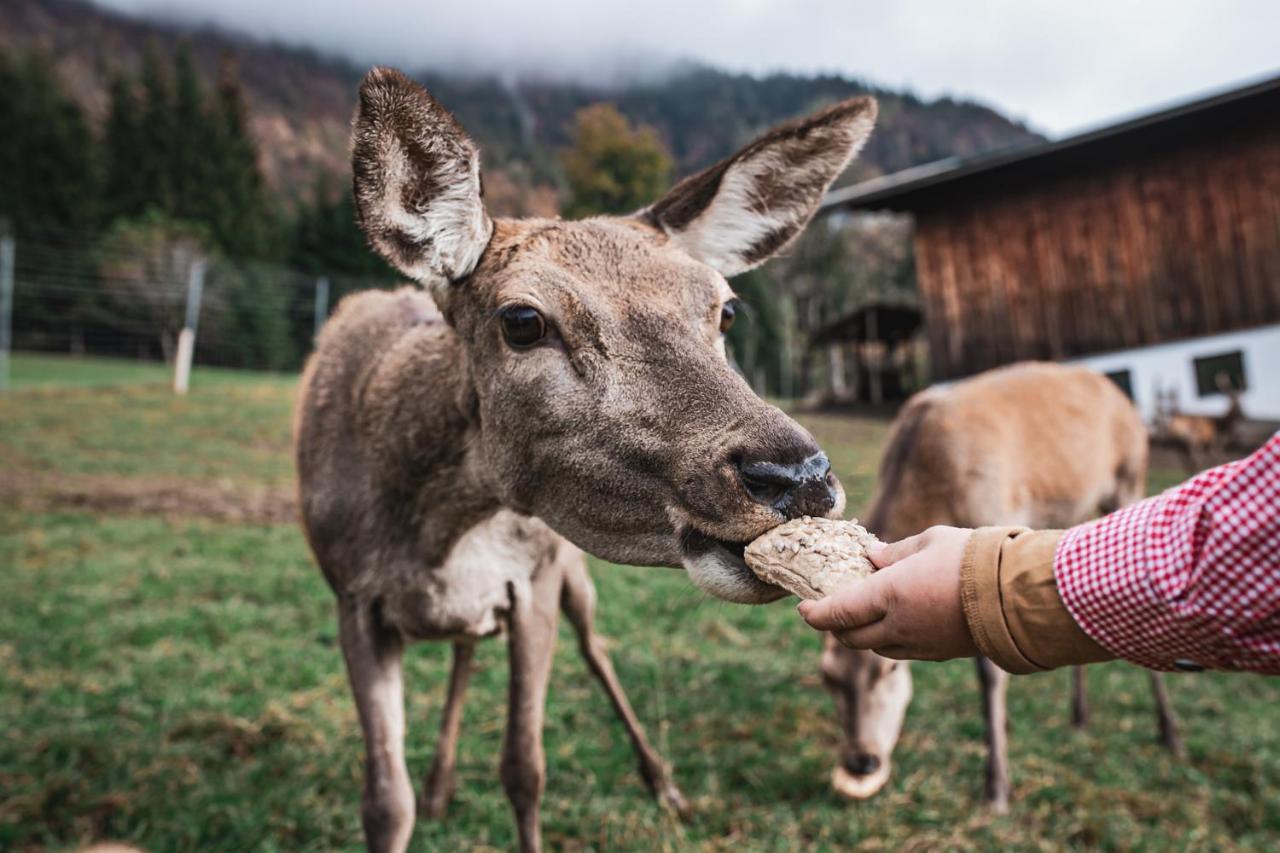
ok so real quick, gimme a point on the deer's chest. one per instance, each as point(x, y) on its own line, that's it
point(469, 594)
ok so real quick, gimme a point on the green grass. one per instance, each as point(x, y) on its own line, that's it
point(233, 427)
point(177, 684)
point(39, 370)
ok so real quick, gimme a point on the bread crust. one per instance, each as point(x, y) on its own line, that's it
point(811, 557)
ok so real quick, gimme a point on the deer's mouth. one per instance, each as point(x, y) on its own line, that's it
point(716, 566)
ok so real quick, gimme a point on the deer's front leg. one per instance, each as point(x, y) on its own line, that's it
point(442, 780)
point(372, 654)
point(531, 644)
point(994, 683)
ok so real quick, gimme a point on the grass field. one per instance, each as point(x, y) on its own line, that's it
point(174, 681)
point(34, 371)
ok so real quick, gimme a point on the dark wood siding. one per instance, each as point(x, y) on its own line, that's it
point(1136, 248)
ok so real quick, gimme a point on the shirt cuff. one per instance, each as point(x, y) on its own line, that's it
point(1012, 606)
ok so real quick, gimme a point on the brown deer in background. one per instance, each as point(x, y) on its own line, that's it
point(562, 381)
point(1039, 445)
point(1200, 436)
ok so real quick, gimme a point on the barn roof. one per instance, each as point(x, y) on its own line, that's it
point(920, 185)
point(890, 322)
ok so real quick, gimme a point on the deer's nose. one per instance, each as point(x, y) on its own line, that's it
point(794, 489)
point(862, 764)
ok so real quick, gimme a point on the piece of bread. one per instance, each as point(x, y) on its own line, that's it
point(811, 557)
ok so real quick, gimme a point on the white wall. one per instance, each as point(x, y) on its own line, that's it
point(1170, 366)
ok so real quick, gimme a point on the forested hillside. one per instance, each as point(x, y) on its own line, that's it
point(300, 102)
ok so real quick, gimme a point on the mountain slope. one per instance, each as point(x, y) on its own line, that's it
point(301, 104)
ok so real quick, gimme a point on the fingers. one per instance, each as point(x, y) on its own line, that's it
point(852, 607)
point(873, 636)
point(887, 553)
point(883, 639)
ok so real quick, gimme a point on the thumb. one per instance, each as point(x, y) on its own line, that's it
point(887, 553)
point(860, 603)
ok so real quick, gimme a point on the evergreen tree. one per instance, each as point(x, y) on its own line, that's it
point(48, 165)
point(325, 238)
point(240, 216)
point(193, 145)
point(155, 139)
point(757, 340)
point(124, 196)
point(49, 195)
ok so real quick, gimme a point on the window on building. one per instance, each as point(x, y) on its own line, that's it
point(1216, 373)
point(1123, 380)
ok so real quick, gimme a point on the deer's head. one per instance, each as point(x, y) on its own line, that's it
point(603, 402)
point(871, 694)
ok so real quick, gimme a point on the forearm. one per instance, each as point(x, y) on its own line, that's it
point(1012, 605)
point(1185, 580)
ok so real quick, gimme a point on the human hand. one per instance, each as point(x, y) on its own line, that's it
point(911, 608)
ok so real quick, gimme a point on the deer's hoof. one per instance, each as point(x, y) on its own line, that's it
point(672, 799)
point(435, 799)
point(1175, 746)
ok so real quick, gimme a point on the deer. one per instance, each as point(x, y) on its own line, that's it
point(1034, 444)
point(1197, 436)
point(548, 388)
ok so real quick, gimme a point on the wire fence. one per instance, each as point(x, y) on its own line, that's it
point(132, 297)
point(64, 297)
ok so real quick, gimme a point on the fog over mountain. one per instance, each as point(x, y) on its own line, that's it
point(1059, 66)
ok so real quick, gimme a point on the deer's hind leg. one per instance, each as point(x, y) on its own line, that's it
point(1079, 698)
point(531, 646)
point(442, 780)
point(1166, 719)
point(579, 603)
point(372, 653)
point(994, 683)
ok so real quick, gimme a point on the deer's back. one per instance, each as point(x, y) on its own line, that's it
point(1036, 444)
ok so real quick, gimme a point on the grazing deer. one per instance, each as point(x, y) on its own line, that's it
point(1197, 436)
point(1039, 445)
point(562, 381)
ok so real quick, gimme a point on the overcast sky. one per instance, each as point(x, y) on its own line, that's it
point(1059, 64)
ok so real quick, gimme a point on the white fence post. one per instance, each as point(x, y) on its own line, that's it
point(322, 302)
point(6, 307)
point(187, 337)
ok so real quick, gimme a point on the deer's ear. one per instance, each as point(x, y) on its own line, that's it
point(734, 215)
point(416, 177)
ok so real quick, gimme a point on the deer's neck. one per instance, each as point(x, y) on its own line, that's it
point(420, 427)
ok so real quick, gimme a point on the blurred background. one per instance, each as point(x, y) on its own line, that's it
point(1091, 182)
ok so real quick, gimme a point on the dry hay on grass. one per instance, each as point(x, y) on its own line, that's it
point(168, 497)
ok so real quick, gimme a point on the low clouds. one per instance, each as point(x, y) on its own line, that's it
point(1060, 66)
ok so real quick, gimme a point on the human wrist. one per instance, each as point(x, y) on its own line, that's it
point(980, 595)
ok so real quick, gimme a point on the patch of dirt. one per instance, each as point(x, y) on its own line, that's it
point(168, 497)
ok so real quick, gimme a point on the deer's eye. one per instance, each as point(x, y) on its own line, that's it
point(727, 315)
point(522, 326)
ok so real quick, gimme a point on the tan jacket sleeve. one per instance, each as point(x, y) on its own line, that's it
point(1012, 605)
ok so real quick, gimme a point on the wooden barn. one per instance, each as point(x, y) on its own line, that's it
point(1147, 249)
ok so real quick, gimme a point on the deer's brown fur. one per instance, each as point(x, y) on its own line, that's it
point(1039, 445)
point(445, 469)
point(1199, 436)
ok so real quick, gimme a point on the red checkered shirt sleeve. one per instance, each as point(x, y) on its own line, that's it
point(1188, 578)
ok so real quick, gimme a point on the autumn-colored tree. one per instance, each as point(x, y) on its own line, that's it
point(612, 166)
point(144, 265)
